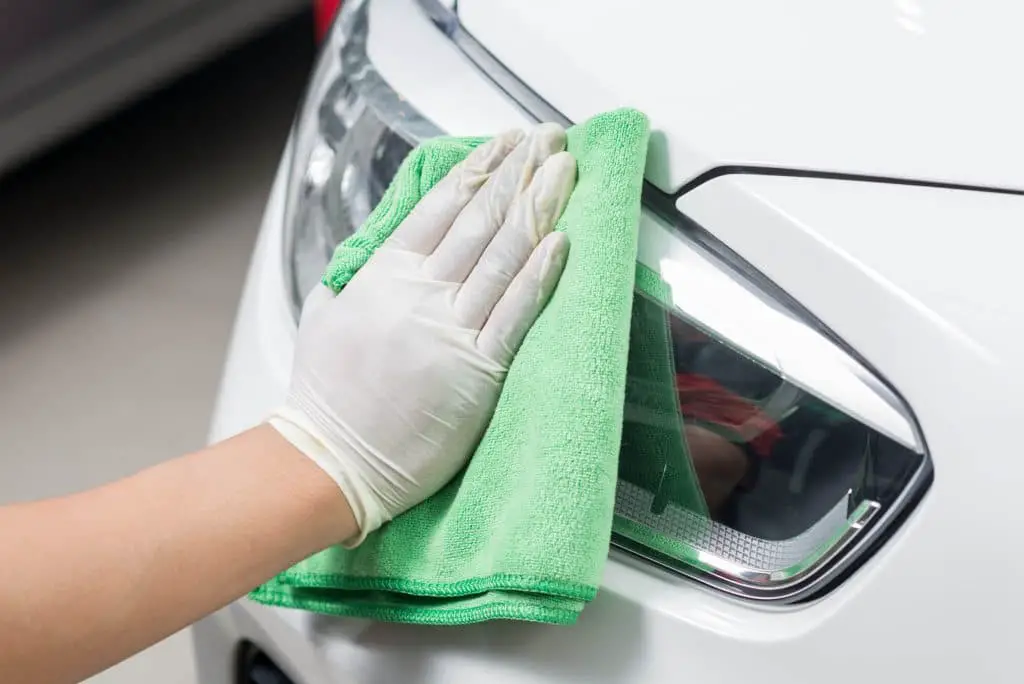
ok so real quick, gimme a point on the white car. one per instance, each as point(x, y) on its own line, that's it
point(835, 193)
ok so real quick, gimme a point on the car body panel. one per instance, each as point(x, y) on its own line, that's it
point(904, 88)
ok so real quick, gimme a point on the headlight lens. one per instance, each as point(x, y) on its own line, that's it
point(802, 455)
point(351, 134)
point(833, 455)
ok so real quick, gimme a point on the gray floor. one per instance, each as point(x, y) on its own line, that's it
point(121, 260)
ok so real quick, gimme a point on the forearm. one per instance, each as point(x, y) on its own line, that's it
point(92, 578)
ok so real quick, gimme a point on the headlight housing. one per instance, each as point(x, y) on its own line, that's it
point(350, 136)
point(834, 457)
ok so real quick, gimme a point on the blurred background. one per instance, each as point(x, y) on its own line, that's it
point(137, 145)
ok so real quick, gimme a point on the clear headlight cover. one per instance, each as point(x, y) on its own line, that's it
point(758, 456)
point(351, 134)
point(801, 456)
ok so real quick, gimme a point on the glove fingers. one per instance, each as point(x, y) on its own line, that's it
point(476, 225)
point(517, 310)
point(531, 218)
point(432, 217)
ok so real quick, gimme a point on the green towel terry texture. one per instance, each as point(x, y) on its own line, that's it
point(523, 532)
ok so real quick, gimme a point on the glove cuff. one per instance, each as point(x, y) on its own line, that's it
point(303, 434)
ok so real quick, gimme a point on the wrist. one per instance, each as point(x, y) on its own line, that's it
point(304, 436)
point(329, 509)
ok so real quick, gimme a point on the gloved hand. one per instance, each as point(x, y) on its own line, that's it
point(396, 377)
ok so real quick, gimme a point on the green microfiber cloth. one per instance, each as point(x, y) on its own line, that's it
point(523, 532)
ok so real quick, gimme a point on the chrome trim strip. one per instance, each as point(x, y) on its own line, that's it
point(773, 582)
point(768, 581)
point(531, 104)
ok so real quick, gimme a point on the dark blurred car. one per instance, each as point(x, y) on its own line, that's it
point(64, 64)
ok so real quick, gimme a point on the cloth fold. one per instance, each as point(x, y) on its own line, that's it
point(523, 532)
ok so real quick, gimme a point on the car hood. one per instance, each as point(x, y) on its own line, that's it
point(902, 88)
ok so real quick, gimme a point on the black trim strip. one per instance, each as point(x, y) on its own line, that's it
point(741, 169)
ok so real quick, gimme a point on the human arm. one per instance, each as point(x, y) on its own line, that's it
point(91, 578)
point(394, 381)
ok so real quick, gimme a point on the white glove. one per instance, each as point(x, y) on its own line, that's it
point(396, 378)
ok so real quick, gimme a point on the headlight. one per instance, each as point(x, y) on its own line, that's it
point(351, 134)
point(807, 458)
point(833, 456)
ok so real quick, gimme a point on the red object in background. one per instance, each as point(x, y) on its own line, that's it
point(703, 399)
point(323, 15)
